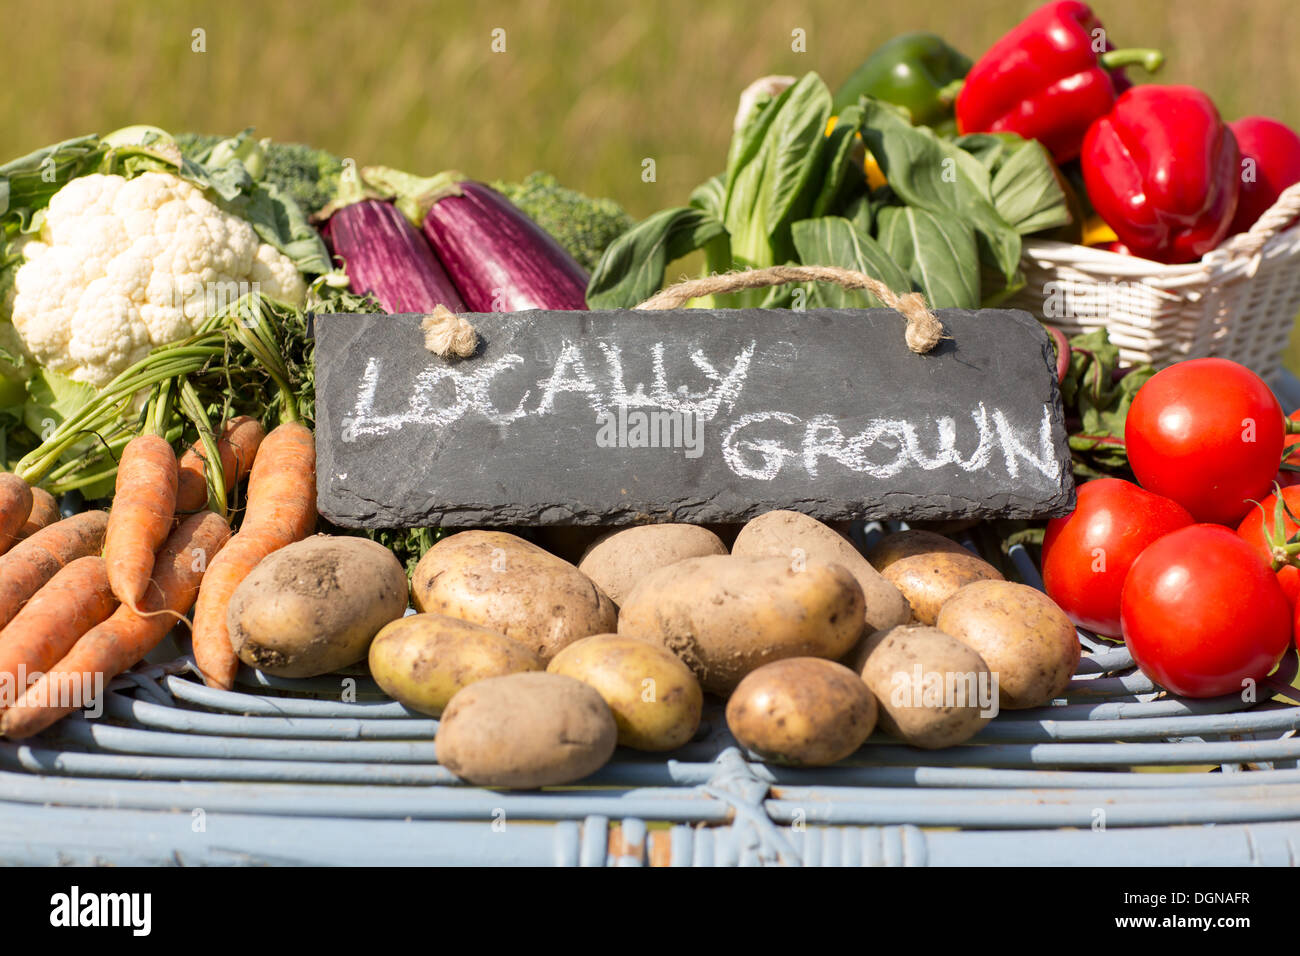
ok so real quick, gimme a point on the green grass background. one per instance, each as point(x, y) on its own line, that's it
point(587, 90)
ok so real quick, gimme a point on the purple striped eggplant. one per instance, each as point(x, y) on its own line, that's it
point(383, 254)
point(499, 259)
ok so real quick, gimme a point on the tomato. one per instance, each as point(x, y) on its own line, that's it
point(1258, 530)
point(1087, 554)
point(1288, 478)
point(1208, 434)
point(1202, 613)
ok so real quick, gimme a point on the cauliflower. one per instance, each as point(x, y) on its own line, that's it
point(121, 266)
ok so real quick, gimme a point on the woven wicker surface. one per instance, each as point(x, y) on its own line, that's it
point(288, 772)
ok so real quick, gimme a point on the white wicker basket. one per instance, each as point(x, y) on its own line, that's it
point(1238, 302)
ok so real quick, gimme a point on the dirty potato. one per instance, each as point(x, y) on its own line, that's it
point(655, 698)
point(804, 711)
point(796, 536)
point(423, 660)
point(619, 559)
point(908, 544)
point(513, 587)
point(928, 568)
point(933, 691)
point(314, 606)
point(1026, 640)
point(725, 616)
point(526, 731)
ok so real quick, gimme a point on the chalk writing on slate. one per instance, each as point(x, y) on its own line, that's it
point(690, 415)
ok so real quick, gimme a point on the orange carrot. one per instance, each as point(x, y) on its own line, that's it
point(124, 639)
point(45, 511)
point(15, 507)
point(144, 503)
point(31, 563)
point(281, 510)
point(74, 601)
point(240, 438)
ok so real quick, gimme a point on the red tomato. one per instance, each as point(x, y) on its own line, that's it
point(1208, 434)
point(1257, 530)
point(1288, 478)
point(1087, 554)
point(1202, 613)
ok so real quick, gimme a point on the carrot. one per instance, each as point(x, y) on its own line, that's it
point(281, 510)
point(70, 604)
point(15, 507)
point(124, 639)
point(45, 511)
point(31, 563)
point(144, 503)
point(240, 438)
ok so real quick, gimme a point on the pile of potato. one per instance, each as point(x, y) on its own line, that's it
point(539, 667)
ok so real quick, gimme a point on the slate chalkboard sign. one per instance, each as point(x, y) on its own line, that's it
point(689, 415)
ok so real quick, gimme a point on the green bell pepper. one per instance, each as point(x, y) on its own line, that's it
point(912, 70)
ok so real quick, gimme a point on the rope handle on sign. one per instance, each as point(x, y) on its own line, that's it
point(449, 335)
point(924, 330)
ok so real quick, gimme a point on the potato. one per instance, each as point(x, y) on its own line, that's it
point(726, 616)
point(514, 587)
point(314, 606)
point(804, 711)
point(933, 690)
point(619, 559)
point(655, 698)
point(424, 659)
point(1027, 641)
point(908, 544)
point(928, 568)
point(526, 731)
point(789, 534)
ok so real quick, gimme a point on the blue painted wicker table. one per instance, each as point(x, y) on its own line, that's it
point(328, 771)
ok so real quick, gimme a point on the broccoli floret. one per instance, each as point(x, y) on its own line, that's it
point(309, 175)
point(582, 225)
point(196, 146)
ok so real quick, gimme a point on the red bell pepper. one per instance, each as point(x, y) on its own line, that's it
point(1162, 169)
point(1270, 162)
point(1048, 79)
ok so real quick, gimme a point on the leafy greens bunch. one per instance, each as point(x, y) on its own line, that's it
point(948, 222)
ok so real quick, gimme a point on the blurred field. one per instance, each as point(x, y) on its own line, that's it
point(586, 90)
